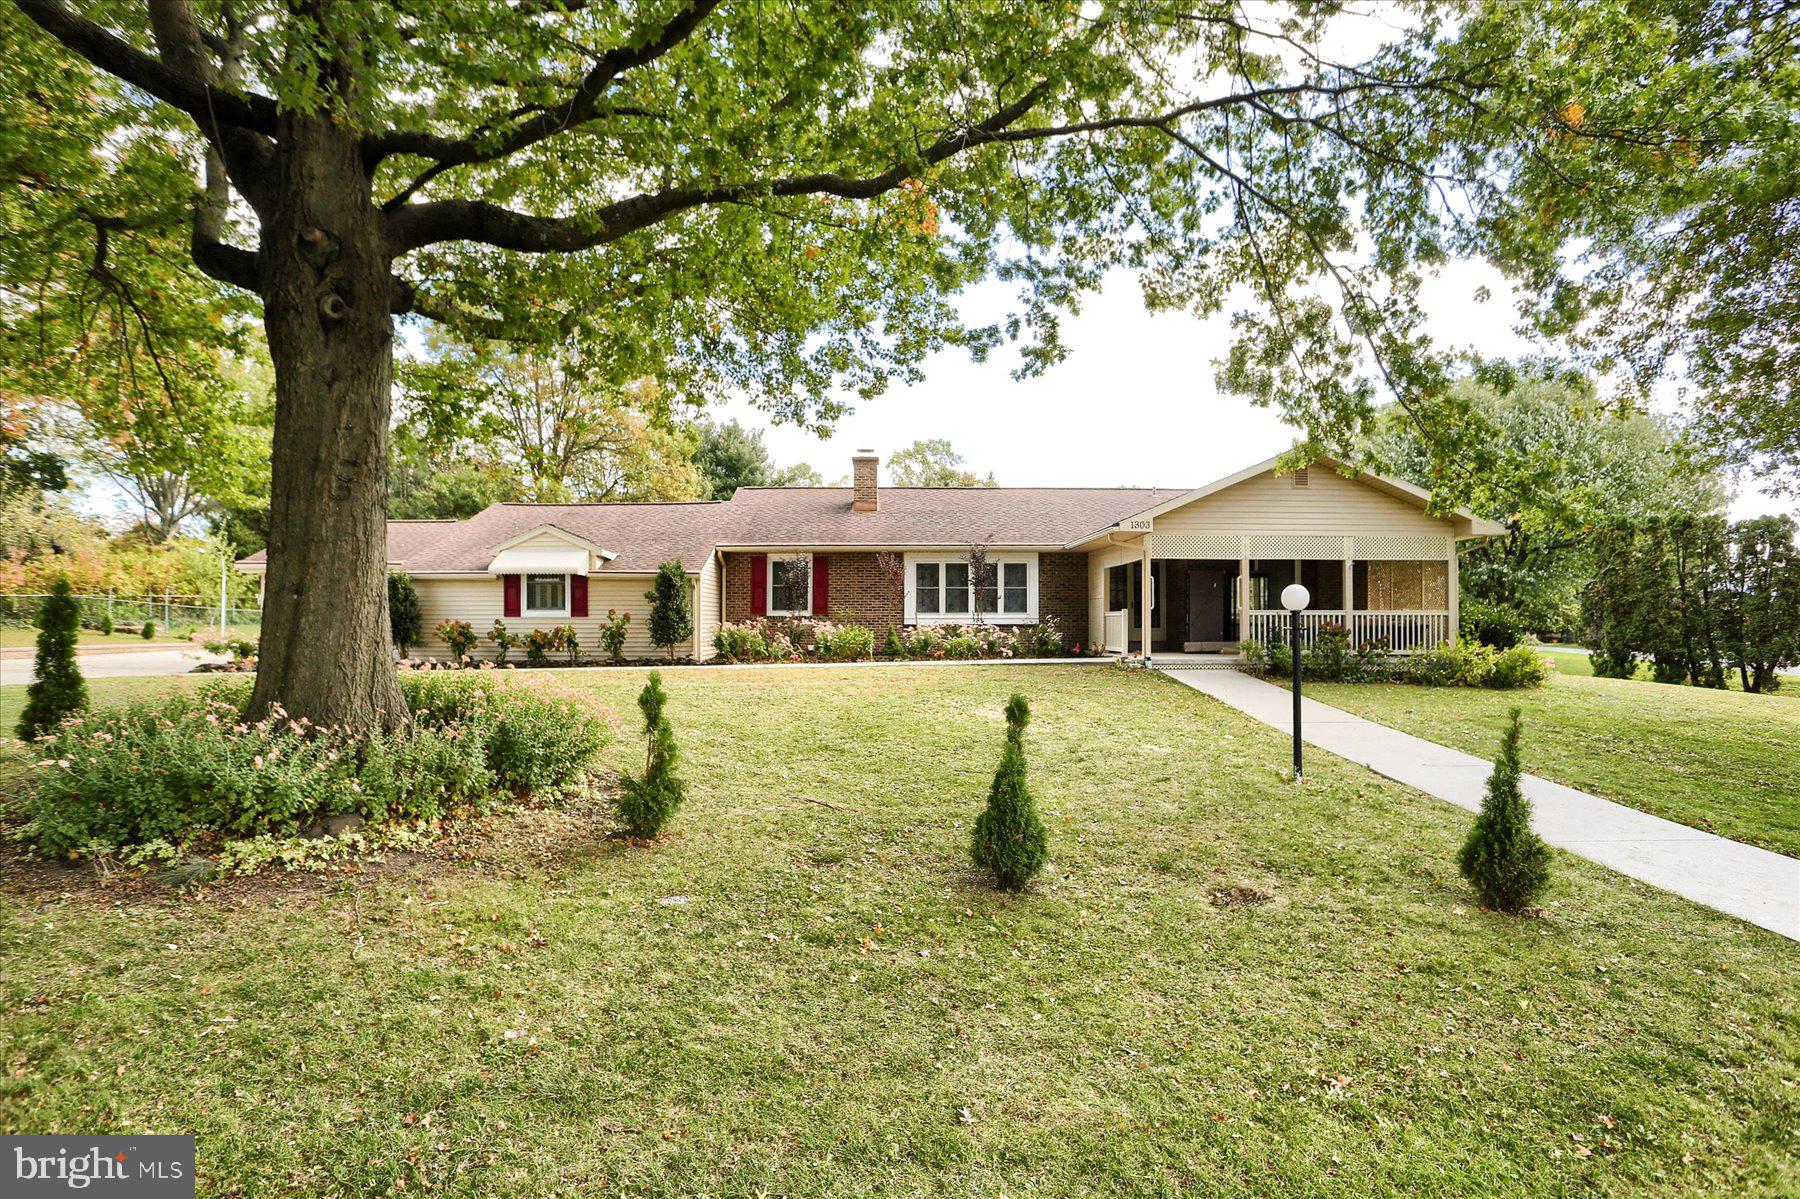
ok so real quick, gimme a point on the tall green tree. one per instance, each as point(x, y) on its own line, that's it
point(1551, 460)
point(57, 691)
point(671, 618)
point(730, 456)
point(933, 462)
point(785, 201)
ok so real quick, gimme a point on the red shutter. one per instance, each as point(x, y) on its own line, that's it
point(759, 584)
point(509, 588)
point(577, 595)
point(821, 583)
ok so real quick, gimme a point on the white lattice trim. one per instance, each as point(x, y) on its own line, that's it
point(1195, 545)
point(1296, 545)
point(1403, 547)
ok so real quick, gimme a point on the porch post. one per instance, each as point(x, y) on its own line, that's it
point(1455, 594)
point(1147, 597)
point(1243, 588)
point(1350, 587)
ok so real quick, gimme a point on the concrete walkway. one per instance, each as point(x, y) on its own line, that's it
point(1741, 880)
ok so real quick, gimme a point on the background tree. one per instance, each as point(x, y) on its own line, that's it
point(730, 456)
point(568, 432)
point(58, 691)
point(749, 197)
point(405, 619)
point(1551, 460)
point(1763, 589)
point(431, 479)
point(671, 621)
point(932, 463)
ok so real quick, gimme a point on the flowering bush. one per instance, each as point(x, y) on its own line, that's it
point(612, 633)
point(188, 770)
point(742, 641)
point(1042, 640)
point(565, 638)
point(538, 644)
point(503, 641)
point(458, 636)
point(842, 642)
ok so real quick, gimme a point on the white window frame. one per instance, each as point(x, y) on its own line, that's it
point(525, 608)
point(998, 561)
point(769, 595)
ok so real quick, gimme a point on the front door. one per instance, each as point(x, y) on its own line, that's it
point(1211, 605)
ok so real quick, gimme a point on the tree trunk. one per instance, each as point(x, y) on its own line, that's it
point(326, 649)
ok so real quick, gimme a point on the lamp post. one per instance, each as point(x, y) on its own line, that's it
point(1294, 598)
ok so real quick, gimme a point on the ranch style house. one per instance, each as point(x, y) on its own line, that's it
point(1375, 557)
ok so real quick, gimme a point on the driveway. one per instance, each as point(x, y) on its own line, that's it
point(165, 660)
point(1741, 880)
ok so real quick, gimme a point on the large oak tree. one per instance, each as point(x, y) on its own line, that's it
point(785, 199)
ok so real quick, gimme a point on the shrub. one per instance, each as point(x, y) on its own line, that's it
point(1491, 624)
point(567, 640)
point(612, 633)
point(1506, 863)
point(1010, 843)
point(1519, 666)
point(1274, 658)
point(925, 641)
point(671, 622)
point(961, 647)
point(238, 649)
point(503, 641)
point(458, 636)
point(741, 642)
point(843, 643)
point(186, 768)
point(106, 626)
point(148, 632)
point(59, 691)
point(1042, 640)
point(646, 803)
point(891, 645)
point(405, 620)
point(538, 644)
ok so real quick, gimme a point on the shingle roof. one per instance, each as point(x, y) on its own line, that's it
point(645, 535)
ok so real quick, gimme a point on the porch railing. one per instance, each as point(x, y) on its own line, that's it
point(1118, 631)
point(1401, 630)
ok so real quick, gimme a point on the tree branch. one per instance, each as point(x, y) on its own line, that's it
point(209, 106)
point(579, 108)
point(415, 225)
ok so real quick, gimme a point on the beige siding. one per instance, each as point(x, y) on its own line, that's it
point(1329, 504)
point(481, 602)
point(709, 603)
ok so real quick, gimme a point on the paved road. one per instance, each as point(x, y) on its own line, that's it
point(147, 662)
point(1741, 880)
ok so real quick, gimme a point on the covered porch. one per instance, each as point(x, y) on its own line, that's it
point(1396, 591)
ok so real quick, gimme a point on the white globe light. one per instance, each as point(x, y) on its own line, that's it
point(1294, 597)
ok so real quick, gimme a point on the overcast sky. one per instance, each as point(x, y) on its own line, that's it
point(1134, 404)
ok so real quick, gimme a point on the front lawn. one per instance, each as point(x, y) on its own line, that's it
point(806, 992)
point(1723, 761)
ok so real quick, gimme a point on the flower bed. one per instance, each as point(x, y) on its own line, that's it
point(186, 773)
point(804, 640)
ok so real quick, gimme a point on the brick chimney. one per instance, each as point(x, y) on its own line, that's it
point(863, 467)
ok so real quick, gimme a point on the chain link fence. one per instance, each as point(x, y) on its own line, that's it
point(173, 614)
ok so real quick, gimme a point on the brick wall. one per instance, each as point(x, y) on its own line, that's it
point(861, 594)
point(1063, 593)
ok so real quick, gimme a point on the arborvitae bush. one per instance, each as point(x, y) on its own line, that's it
point(1506, 863)
point(893, 646)
point(671, 622)
point(149, 630)
point(647, 803)
point(1010, 843)
point(405, 620)
point(59, 690)
point(106, 625)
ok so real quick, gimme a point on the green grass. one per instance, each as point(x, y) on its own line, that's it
point(802, 991)
point(1579, 666)
point(1723, 761)
point(14, 636)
